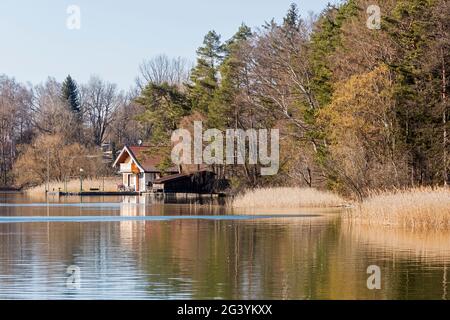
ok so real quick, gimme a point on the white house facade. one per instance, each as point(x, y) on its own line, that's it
point(139, 166)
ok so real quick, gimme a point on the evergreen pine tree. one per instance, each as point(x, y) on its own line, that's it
point(418, 85)
point(71, 95)
point(165, 105)
point(222, 110)
point(292, 18)
point(324, 43)
point(244, 32)
point(204, 76)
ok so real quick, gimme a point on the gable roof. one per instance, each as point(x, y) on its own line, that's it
point(175, 177)
point(147, 158)
point(172, 177)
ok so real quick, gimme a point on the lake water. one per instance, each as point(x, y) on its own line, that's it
point(138, 248)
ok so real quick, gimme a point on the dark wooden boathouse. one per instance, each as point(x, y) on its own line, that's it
point(203, 181)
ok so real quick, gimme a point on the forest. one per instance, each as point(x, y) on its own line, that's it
point(358, 108)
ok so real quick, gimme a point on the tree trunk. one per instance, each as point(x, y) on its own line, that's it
point(444, 117)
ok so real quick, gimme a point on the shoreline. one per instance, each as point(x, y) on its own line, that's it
point(417, 208)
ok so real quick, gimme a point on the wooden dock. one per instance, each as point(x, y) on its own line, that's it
point(92, 193)
point(133, 193)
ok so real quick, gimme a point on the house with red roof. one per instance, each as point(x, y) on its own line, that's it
point(140, 166)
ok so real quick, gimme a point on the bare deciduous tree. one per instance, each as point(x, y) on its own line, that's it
point(99, 101)
point(52, 115)
point(126, 129)
point(15, 122)
point(65, 161)
point(161, 69)
point(280, 74)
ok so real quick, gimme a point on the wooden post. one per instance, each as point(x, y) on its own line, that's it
point(47, 187)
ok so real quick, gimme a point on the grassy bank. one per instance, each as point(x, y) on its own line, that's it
point(110, 184)
point(413, 208)
point(287, 198)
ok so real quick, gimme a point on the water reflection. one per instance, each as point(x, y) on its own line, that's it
point(316, 256)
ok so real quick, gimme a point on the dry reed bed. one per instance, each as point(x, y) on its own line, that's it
point(110, 185)
point(287, 198)
point(420, 208)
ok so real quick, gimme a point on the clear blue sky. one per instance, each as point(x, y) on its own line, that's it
point(115, 36)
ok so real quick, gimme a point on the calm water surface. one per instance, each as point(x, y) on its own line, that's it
point(136, 248)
